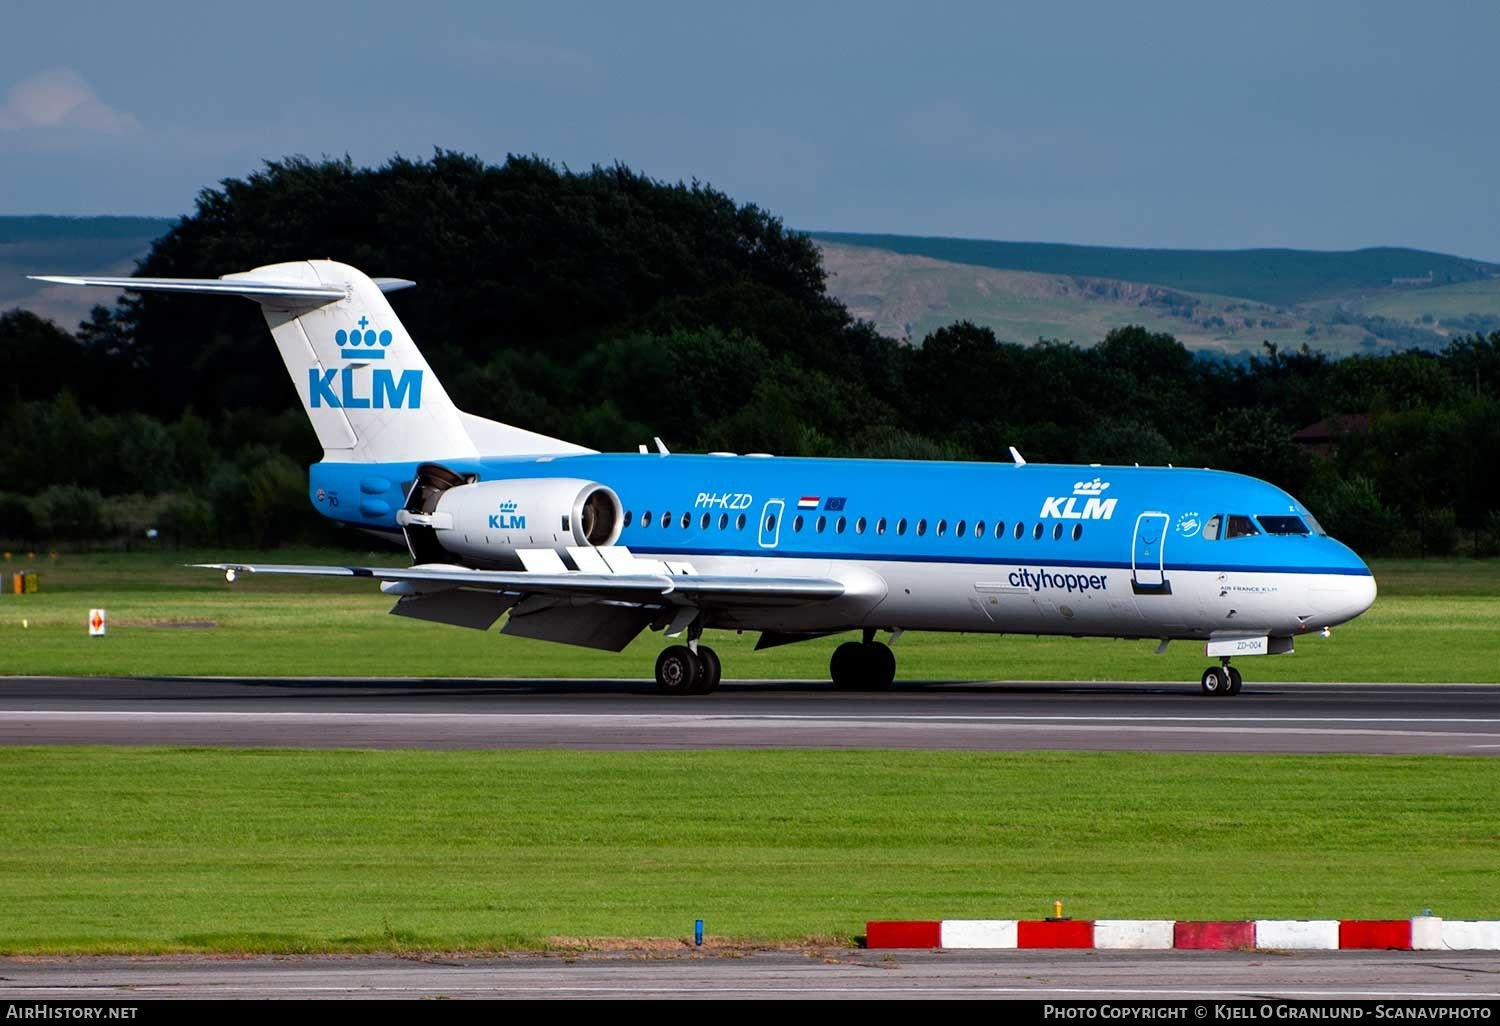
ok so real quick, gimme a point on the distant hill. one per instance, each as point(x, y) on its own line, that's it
point(911, 296)
point(69, 245)
point(1227, 301)
point(1280, 277)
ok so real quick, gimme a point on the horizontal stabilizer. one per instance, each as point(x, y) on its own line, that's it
point(236, 286)
point(250, 288)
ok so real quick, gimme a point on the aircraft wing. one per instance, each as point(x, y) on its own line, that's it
point(705, 590)
point(573, 607)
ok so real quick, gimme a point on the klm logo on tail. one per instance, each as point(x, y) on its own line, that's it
point(343, 388)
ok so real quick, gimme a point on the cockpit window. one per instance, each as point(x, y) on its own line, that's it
point(1317, 527)
point(1240, 527)
point(1282, 524)
point(1211, 528)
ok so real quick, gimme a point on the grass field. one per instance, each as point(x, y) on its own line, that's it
point(1470, 297)
point(180, 850)
point(1434, 621)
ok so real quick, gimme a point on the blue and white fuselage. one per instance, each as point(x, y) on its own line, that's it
point(1033, 548)
point(586, 548)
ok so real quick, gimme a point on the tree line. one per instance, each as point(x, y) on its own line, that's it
point(606, 307)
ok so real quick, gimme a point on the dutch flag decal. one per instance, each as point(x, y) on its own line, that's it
point(808, 502)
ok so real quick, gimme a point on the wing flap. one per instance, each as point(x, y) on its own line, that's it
point(706, 590)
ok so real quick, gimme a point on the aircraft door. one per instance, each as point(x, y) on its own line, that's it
point(1148, 555)
point(770, 523)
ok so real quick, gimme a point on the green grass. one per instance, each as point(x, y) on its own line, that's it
point(1471, 297)
point(144, 850)
point(1434, 621)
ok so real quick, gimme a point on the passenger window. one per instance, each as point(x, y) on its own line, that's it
point(921, 527)
point(1036, 532)
point(666, 520)
point(1240, 527)
point(1211, 528)
point(979, 528)
point(999, 529)
point(959, 531)
point(1020, 529)
point(703, 523)
point(901, 526)
point(723, 521)
point(797, 524)
point(739, 522)
point(646, 519)
point(839, 527)
point(1057, 532)
point(770, 523)
point(1077, 531)
point(687, 521)
point(859, 526)
point(880, 526)
point(626, 521)
point(942, 528)
point(822, 523)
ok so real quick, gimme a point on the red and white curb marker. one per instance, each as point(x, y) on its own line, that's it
point(1422, 933)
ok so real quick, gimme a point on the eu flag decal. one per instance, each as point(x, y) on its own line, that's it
point(835, 504)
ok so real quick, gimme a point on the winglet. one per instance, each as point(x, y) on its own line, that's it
point(1016, 457)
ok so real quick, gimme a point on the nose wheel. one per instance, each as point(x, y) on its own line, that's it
point(1222, 679)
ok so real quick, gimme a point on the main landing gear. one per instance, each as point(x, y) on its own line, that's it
point(682, 671)
point(863, 666)
point(1222, 679)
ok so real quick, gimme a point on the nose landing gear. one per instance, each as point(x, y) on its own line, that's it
point(1222, 679)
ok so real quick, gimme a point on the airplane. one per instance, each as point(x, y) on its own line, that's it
point(590, 549)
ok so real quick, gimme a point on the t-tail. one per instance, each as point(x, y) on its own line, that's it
point(363, 383)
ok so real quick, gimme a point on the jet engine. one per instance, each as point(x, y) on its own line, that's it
point(483, 523)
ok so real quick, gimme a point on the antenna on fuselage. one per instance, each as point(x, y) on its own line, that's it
point(1016, 457)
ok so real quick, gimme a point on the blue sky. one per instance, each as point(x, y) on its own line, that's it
point(1325, 125)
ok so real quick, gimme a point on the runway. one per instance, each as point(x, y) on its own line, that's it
point(610, 715)
point(832, 974)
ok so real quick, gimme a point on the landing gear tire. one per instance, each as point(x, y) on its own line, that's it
point(862, 666)
point(880, 666)
point(1216, 681)
point(1235, 680)
point(709, 670)
point(846, 666)
point(677, 670)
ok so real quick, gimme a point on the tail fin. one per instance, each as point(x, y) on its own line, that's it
point(365, 386)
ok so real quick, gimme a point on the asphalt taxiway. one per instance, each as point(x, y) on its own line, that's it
point(832, 974)
point(493, 713)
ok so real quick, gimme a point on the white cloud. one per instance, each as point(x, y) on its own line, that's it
point(60, 98)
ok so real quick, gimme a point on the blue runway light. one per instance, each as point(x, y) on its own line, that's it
point(698, 932)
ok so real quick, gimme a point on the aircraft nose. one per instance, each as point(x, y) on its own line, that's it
point(1341, 600)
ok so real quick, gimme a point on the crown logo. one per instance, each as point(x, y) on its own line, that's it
point(508, 506)
point(1094, 487)
point(362, 342)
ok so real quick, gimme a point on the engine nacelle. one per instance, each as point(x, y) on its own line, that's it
point(486, 522)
